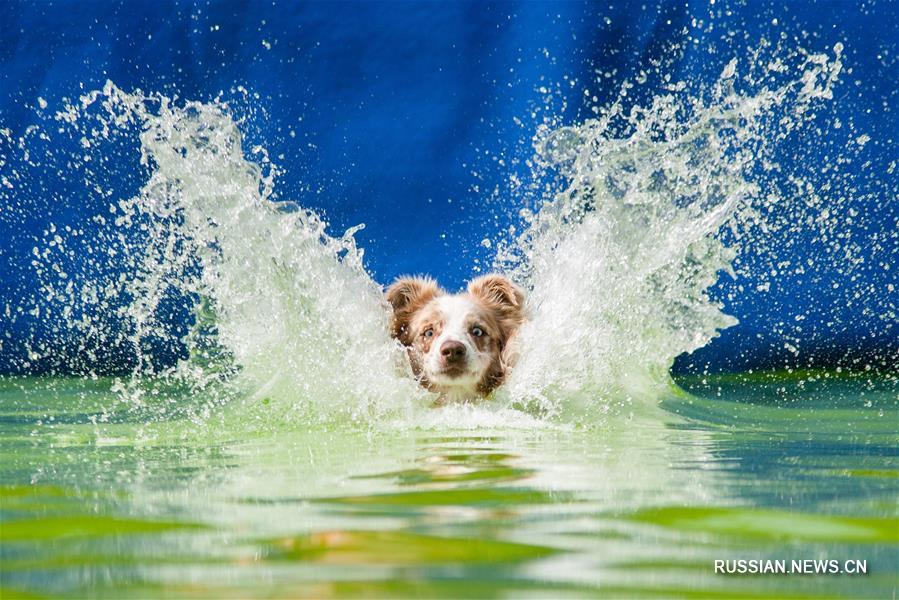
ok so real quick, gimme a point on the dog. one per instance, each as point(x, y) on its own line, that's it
point(460, 346)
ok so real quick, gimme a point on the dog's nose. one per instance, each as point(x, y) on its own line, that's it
point(452, 351)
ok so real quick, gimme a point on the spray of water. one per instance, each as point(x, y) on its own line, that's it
point(620, 260)
point(288, 322)
point(286, 318)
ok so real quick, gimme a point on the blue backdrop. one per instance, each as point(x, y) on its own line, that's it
point(406, 116)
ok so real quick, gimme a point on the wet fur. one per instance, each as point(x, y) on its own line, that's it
point(491, 302)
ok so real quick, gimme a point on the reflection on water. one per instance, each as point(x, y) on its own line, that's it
point(641, 506)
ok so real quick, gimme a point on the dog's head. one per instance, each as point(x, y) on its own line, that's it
point(457, 343)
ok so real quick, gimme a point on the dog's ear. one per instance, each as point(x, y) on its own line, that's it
point(499, 292)
point(407, 295)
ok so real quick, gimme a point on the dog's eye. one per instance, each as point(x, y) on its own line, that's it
point(477, 331)
point(428, 333)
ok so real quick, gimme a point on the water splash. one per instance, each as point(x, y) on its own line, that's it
point(620, 260)
point(285, 314)
point(286, 321)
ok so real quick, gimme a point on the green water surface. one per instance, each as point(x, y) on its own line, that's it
point(779, 466)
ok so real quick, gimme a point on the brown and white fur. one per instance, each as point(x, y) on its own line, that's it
point(459, 345)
